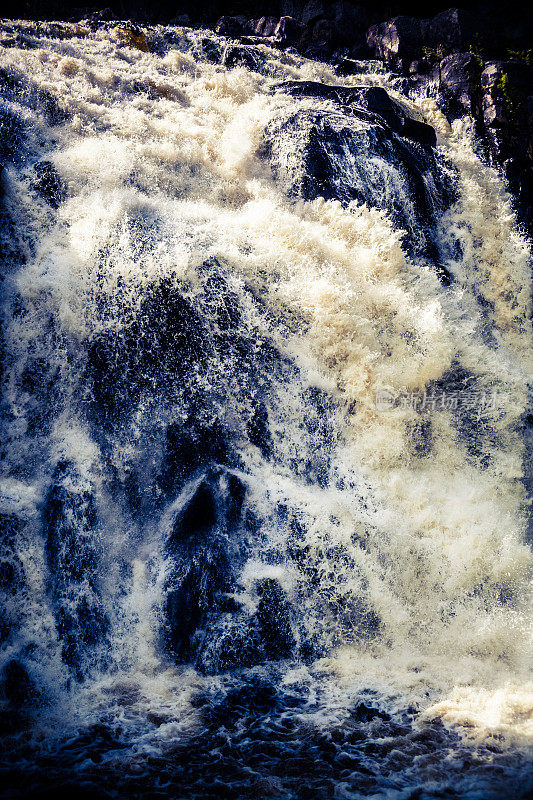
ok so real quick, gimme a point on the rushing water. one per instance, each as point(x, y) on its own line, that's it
point(265, 432)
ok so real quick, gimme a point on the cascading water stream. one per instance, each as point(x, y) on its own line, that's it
point(265, 429)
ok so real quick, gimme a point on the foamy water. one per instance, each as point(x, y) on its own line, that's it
point(412, 509)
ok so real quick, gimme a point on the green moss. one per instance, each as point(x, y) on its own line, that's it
point(478, 52)
point(435, 54)
point(504, 95)
point(523, 56)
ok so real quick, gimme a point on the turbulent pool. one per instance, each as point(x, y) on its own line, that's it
point(266, 434)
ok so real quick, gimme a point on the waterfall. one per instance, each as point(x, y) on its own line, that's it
point(265, 462)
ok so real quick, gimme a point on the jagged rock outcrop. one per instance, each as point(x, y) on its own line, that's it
point(452, 30)
point(288, 32)
point(507, 115)
point(403, 39)
point(361, 147)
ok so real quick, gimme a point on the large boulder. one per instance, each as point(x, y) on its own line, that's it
point(264, 26)
point(452, 30)
point(373, 99)
point(459, 84)
point(229, 26)
point(402, 40)
point(288, 32)
point(397, 42)
point(359, 148)
point(242, 55)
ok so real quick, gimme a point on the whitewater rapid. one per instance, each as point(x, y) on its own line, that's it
point(396, 403)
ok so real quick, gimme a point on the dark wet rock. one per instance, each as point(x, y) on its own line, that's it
point(364, 713)
point(12, 573)
point(453, 30)
point(198, 547)
point(288, 32)
point(357, 156)
point(239, 56)
point(229, 26)
point(155, 349)
point(16, 684)
point(97, 18)
point(190, 445)
point(21, 89)
point(209, 49)
point(17, 40)
point(11, 133)
point(258, 428)
point(507, 114)
point(72, 546)
point(397, 42)
point(11, 568)
point(264, 26)
point(459, 84)
point(274, 620)
point(48, 183)
point(373, 99)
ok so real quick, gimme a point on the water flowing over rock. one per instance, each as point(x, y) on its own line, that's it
point(357, 155)
point(72, 553)
point(266, 353)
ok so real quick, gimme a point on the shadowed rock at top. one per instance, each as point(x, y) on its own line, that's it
point(361, 145)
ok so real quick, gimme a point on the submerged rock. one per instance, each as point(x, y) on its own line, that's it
point(273, 619)
point(201, 575)
point(72, 547)
point(48, 183)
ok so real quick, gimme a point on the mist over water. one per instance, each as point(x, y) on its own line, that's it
point(265, 447)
